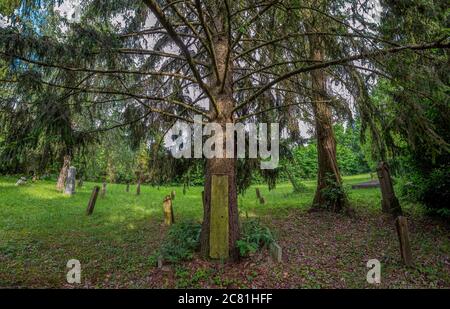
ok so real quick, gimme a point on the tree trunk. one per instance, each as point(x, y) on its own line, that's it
point(221, 166)
point(217, 166)
point(63, 173)
point(329, 194)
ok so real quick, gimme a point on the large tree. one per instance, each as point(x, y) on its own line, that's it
point(152, 61)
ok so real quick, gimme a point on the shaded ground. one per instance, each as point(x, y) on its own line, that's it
point(40, 230)
point(322, 251)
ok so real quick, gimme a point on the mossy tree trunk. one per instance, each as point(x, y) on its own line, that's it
point(329, 194)
point(221, 166)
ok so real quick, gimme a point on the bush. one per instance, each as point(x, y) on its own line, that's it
point(333, 192)
point(433, 190)
point(182, 240)
point(254, 236)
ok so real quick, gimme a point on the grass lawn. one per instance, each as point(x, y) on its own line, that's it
point(40, 230)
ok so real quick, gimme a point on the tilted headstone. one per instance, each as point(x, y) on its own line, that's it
point(259, 196)
point(22, 181)
point(92, 200)
point(389, 202)
point(70, 181)
point(401, 224)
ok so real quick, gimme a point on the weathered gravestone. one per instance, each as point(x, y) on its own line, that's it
point(172, 195)
point(22, 181)
point(138, 188)
point(259, 196)
point(275, 252)
point(92, 200)
point(103, 189)
point(218, 234)
point(401, 224)
point(389, 202)
point(168, 211)
point(70, 181)
point(258, 193)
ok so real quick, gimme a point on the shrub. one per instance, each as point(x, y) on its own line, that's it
point(433, 190)
point(182, 240)
point(333, 193)
point(254, 236)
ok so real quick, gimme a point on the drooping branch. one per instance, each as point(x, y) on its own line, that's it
point(155, 8)
point(98, 71)
point(325, 64)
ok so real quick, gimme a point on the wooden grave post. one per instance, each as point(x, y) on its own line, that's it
point(219, 225)
point(168, 211)
point(103, 193)
point(401, 224)
point(92, 200)
point(258, 194)
point(138, 188)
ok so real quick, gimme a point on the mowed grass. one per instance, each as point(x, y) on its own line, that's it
point(41, 229)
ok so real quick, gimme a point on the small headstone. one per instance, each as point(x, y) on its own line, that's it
point(34, 179)
point(401, 224)
point(70, 181)
point(138, 188)
point(275, 252)
point(80, 183)
point(103, 189)
point(168, 211)
point(128, 187)
point(258, 193)
point(22, 181)
point(160, 262)
point(92, 200)
point(389, 202)
point(172, 195)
